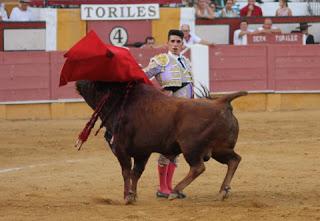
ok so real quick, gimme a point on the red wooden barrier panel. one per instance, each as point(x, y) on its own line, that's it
point(238, 68)
point(294, 68)
point(26, 76)
point(265, 67)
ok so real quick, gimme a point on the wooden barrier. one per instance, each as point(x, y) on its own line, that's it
point(34, 76)
point(265, 68)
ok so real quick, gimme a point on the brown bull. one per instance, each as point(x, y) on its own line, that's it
point(143, 121)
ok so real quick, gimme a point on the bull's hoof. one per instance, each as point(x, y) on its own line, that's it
point(130, 199)
point(177, 195)
point(225, 193)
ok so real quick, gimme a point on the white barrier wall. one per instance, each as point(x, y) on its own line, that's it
point(218, 34)
point(24, 39)
point(50, 16)
point(200, 65)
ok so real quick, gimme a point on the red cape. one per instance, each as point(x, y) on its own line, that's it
point(91, 59)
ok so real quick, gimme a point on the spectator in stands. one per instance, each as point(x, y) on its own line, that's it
point(251, 9)
point(150, 42)
point(236, 7)
point(227, 11)
point(213, 6)
point(240, 35)
point(190, 38)
point(283, 9)
point(22, 12)
point(204, 11)
point(267, 28)
point(3, 12)
point(187, 3)
point(307, 38)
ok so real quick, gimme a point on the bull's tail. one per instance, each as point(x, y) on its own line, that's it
point(230, 97)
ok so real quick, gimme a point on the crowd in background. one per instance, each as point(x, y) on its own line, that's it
point(22, 12)
point(204, 9)
point(207, 9)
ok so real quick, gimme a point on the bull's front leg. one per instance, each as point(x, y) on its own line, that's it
point(125, 162)
point(139, 166)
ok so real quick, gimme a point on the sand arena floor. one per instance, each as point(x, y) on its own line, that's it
point(42, 177)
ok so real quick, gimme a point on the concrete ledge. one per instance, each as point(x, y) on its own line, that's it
point(63, 110)
point(251, 102)
point(300, 101)
point(27, 111)
point(80, 110)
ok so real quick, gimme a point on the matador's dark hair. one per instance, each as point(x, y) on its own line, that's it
point(175, 32)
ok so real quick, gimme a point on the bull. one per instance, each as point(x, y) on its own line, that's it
point(142, 120)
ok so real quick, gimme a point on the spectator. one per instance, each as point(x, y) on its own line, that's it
point(240, 35)
point(22, 12)
point(227, 11)
point(190, 39)
point(251, 9)
point(150, 42)
point(204, 11)
point(307, 38)
point(267, 28)
point(3, 12)
point(236, 7)
point(283, 9)
point(212, 5)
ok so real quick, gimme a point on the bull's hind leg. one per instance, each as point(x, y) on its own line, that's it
point(232, 159)
point(138, 168)
point(196, 168)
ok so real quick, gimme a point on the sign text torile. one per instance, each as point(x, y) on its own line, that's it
point(120, 12)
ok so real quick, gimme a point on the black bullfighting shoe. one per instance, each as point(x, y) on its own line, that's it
point(162, 195)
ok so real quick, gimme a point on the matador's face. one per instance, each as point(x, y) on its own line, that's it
point(175, 44)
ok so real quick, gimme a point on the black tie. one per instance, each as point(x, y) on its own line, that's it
point(179, 59)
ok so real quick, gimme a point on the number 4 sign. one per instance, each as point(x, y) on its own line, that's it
point(118, 36)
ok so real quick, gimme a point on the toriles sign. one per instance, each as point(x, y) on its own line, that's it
point(294, 38)
point(120, 12)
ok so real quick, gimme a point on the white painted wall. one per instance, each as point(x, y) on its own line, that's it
point(187, 16)
point(219, 34)
point(200, 65)
point(50, 16)
point(24, 39)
